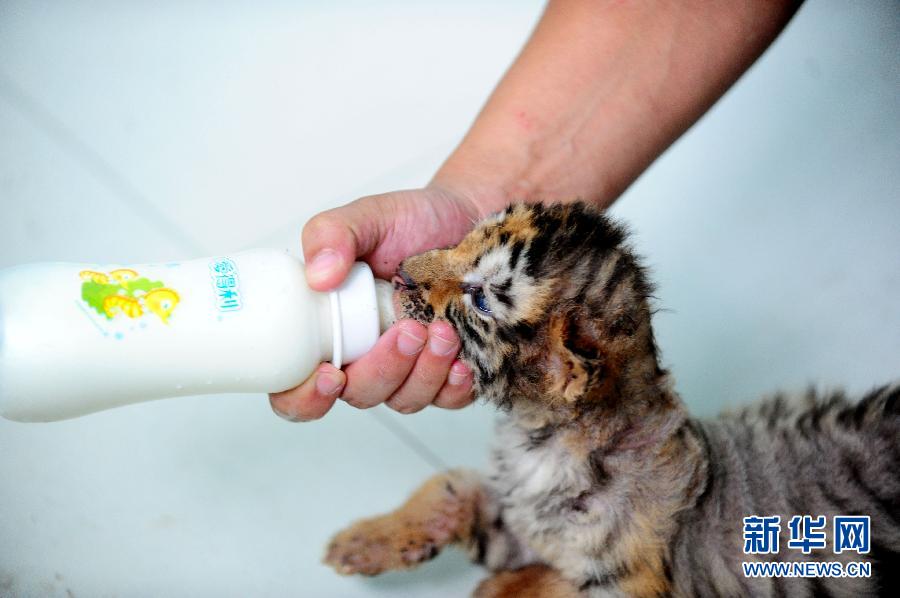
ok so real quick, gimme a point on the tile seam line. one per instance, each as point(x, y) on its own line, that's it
point(43, 119)
point(92, 161)
point(408, 438)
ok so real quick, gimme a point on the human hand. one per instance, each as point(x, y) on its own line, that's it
point(411, 365)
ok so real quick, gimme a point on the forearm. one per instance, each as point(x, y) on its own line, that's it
point(600, 90)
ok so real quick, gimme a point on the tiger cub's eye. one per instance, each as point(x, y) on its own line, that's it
point(479, 300)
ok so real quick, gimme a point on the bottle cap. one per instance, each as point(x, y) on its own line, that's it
point(355, 319)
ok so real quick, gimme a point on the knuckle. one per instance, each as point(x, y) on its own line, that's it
point(390, 374)
point(309, 416)
point(430, 376)
point(404, 407)
point(383, 371)
point(455, 400)
point(358, 403)
point(283, 409)
point(320, 221)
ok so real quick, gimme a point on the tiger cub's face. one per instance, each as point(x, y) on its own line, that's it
point(548, 303)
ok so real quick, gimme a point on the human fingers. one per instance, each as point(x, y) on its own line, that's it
point(457, 392)
point(312, 399)
point(429, 372)
point(375, 376)
point(332, 240)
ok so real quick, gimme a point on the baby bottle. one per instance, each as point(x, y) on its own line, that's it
point(78, 338)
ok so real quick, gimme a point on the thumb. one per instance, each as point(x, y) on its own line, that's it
point(332, 241)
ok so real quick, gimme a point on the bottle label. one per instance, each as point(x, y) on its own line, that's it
point(124, 294)
point(226, 284)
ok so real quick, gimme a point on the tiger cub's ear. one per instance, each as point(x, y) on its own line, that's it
point(575, 356)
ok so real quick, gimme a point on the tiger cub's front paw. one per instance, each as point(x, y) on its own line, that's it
point(441, 511)
point(373, 546)
point(399, 540)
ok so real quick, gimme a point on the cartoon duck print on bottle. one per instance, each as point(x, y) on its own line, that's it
point(125, 292)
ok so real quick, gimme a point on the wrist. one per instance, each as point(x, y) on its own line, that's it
point(476, 200)
point(499, 164)
point(486, 185)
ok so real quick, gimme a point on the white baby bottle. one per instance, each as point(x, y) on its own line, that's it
point(78, 338)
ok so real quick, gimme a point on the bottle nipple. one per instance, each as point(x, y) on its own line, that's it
point(384, 294)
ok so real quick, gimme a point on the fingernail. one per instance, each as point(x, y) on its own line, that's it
point(458, 373)
point(409, 343)
point(328, 383)
point(440, 345)
point(323, 264)
point(291, 417)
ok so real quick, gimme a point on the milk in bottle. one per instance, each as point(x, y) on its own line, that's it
point(78, 338)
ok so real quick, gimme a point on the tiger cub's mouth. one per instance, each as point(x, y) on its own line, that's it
point(408, 299)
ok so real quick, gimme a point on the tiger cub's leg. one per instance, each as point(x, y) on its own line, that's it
point(450, 508)
point(534, 581)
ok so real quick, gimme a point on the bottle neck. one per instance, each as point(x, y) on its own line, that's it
point(359, 311)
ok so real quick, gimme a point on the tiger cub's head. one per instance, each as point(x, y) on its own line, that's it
point(549, 303)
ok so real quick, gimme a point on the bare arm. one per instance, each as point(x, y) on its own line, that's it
point(599, 91)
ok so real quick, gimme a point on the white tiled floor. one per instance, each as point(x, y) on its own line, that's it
point(132, 133)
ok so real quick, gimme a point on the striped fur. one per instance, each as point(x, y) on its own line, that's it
point(601, 485)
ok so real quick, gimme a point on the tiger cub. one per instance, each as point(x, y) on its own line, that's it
point(601, 484)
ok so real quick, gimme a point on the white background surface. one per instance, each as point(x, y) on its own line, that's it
point(130, 133)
